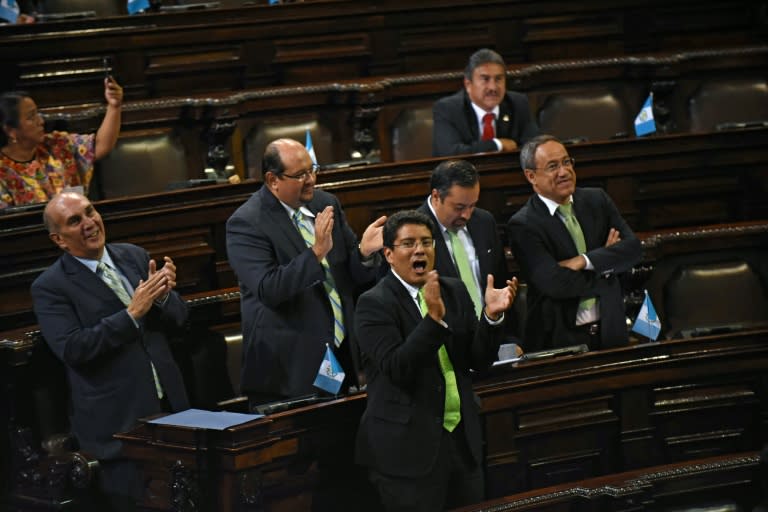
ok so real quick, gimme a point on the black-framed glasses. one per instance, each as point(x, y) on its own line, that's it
point(568, 163)
point(410, 243)
point(303, 175)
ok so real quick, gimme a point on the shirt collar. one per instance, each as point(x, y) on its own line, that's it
point(479, 112)
point(551, 205)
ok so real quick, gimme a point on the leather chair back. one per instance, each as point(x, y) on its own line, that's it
point(142, 163)
point(412, 134)
point(708, 297)
point(594, 115)
point(728, 101)
point(263, 133)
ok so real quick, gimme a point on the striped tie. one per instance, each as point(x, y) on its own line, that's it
point(110, 277)
point(465, 271)
point(452, 410)
point(574, 229)
point(330, 287)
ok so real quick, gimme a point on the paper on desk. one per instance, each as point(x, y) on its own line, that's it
point(199, 418)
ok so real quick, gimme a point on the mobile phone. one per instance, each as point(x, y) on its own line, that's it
point(107, 68)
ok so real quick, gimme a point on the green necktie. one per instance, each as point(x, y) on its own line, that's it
point(573, 227)
point(328, 283)
point(452, 412)
point(465, 271)
point(112, 279)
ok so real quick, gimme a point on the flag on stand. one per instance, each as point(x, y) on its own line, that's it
point(137, 6)
point(647, 322)
point(644, 122)
point(330, 375)
point(310, 148)
point(9, 10)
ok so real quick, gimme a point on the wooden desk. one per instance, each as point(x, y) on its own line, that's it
point(546, 422)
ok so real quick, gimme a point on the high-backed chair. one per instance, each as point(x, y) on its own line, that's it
point(412, 134)
point(142, 163)
point(715, 104)
point(263, 133)
point(715, 296)
point(590, 115)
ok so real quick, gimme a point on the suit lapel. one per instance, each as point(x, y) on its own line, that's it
point(504, 122)
point(279, 221)
point(555, 227)
point(471, 118)
point(582, 211)
point(86, 281)
point(482, 248)
point(404, 299)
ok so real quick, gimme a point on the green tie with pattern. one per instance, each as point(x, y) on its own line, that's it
point(452, 413)
point(328, 283)
point(573, 227)
point(465, 271)
point(112, 279)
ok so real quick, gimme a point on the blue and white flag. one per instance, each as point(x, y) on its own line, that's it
point(647, 322)
point(9, 10)
point(330, 375)
point(137, 6)
point(644, 123)
point(310, 148)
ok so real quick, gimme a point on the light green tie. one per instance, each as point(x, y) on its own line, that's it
point(452, 412)
point(328, 282)
point(465, 271)
point(112, 279)
point(573, 227)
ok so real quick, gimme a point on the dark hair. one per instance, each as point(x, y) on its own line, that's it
point(528, 151)
point(450, 173)
point(9, 112)
point(271, 161)
point(401, 218)
point(480, 57)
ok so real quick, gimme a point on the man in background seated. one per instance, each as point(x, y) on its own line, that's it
point(420, 434)
point(300, 267)
point(106, 311)
point(484, 117)
point(571, 244)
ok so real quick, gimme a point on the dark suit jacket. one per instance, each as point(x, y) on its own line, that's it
point(401, 427)
point(455, 128)
point(286, 316)
point(107, 357)
point(485, 237)
point(539, 240)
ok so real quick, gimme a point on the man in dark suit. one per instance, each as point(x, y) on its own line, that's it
point(288, 312)
point(105, 310)
point(420, 434)
point(451, 205)
point(571, 244)
point(484, 116)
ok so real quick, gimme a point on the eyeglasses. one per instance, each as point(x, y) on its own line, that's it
point(568, 163)
point(302, 176)
point(410, 243)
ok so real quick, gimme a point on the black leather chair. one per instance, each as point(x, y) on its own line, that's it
point(142, 163)
point(411, 134)
point(589, 115)
point(263, 133)
point(704, 298)
point(724, 104)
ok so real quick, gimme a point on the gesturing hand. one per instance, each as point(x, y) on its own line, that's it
point(432, 297)
point(323, 233)
point(499, 300)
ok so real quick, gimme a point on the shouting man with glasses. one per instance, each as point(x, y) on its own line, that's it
point(299, 265)
point(571, 243)
point(420, 435)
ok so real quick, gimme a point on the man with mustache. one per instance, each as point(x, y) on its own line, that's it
point(420, 434)
point(484, 116)
point(299, 266)
point(571, 244)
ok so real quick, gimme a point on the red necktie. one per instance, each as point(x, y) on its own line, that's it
point(488, 127)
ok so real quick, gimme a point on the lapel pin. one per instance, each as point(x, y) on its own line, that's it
point(505, 118)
